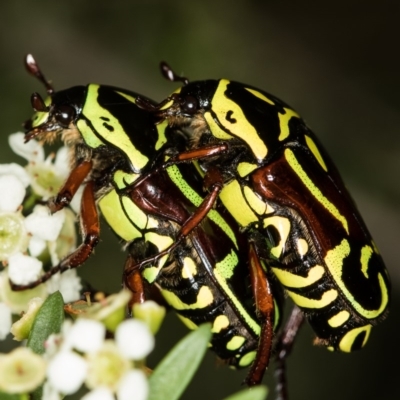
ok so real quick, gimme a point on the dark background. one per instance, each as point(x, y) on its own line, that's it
point(336, 62)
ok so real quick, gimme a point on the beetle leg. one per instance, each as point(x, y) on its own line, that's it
point(284, 348)
point(189, 225)
point(70, 187)
point(262, 293)
point(134, 282)
point(90, 229)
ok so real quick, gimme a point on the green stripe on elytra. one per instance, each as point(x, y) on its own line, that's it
point(297, 168)
point(196, 199)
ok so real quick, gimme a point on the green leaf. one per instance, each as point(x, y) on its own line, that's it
point(254, 393)
point(48, 320)
point(7, 396)
point(174, 372)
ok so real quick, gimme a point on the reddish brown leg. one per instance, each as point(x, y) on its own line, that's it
point(134, 282)
point(70, 187)
point(90, 229)
point(284, 348)
point(265, 308)
point(191, 223)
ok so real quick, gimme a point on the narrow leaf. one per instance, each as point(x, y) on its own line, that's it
point(48, 320)
point(255, 393)
point(174, 372)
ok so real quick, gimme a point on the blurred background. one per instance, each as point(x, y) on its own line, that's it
point(336, 62)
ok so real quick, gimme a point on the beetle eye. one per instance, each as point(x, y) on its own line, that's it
point(64, 115)
point(190, 105)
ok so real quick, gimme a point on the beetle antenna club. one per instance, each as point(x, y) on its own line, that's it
point(33, 68)
point(168, 73)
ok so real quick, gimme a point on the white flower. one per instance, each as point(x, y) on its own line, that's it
point(133, 386)
point(17, 171)
point(21, 371)
point(68, 283)
point(66, 372)
point(5, 320)
point(12, 193)
point(101, 393)
point(23, 269)
point(46, 176)
point(86, 335)
point(134, 339)
point(44, 225)
point(13, 235)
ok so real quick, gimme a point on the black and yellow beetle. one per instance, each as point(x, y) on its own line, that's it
point(195, 257)
point(280, 185)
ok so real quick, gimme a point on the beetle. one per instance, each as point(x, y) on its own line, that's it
point(282, 188)
point(196, 257)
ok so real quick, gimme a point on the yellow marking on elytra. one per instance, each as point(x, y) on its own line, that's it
point(261, 96)
point(245, 168)
point(204, 299)
point(314, 149)
point(160, 241)
point(112, 211)
point(284, 122)
point(188, 322)
point(349, 338)
point(88, 135)
point(302, 247)
point(315, 191)
point(235, 343)
point(123, 179)
point(327, 298)
point(237, 124)
point(282, 225)
point(257, 205)
point(177, 178)
point(292, 280)
point(134, 212)
point(223, 271)
point(334, 261)
point(189, 268)
point(220, 323)
point(339, 319)
point(161, 134)
point(247, 359)
point(232, 197)
point(366, 253)
point(215, 128)
point(95, 114)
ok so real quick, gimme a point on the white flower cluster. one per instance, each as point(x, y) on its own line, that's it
point(80, 355)
point(28, 232)
point(106, 367)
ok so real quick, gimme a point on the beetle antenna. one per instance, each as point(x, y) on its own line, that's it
point(33, 68)
point(170, 75)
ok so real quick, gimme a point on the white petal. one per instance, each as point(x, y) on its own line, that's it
point(5, 320)
point(49, 393)
point(76, 201)
point(133, 386)
point(86, 335)
point(99, 394)
point(68, 283)
point(31, 151)
point(12, 193)
point(23, 269)
point(134, 339)
point(36, 246)
point(61, 162)
point(16, 170)
point(66, 372)
point(44, 225)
